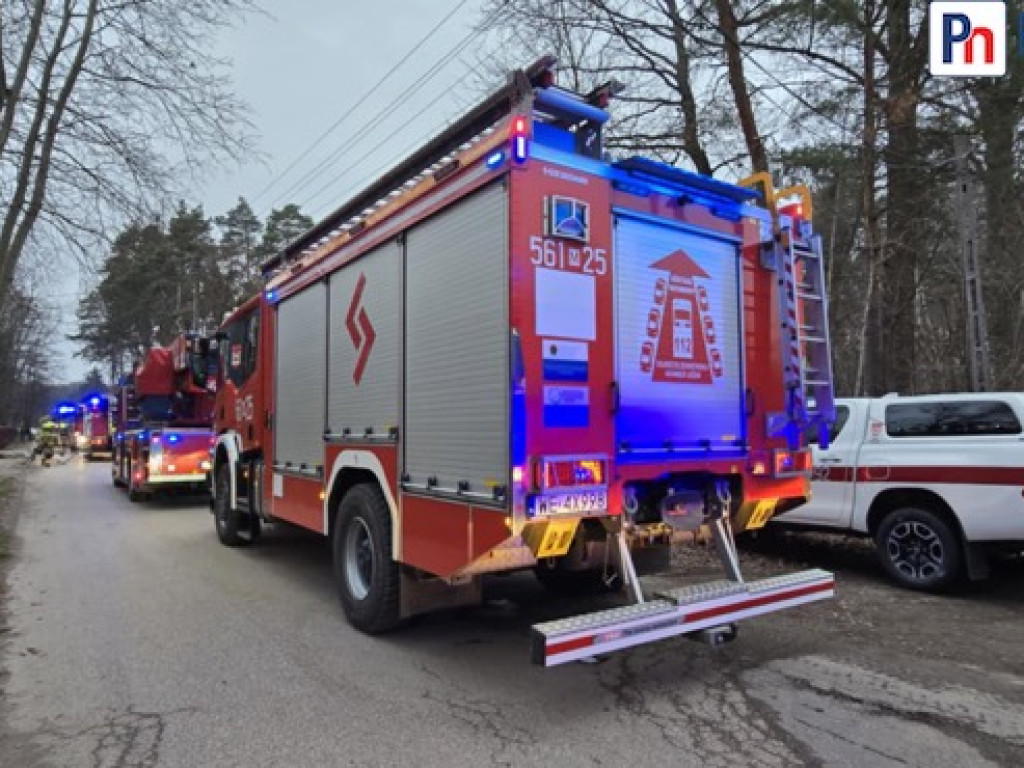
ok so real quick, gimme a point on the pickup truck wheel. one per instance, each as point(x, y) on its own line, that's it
point(225, 518)
point(919, 549)
point(365, 572)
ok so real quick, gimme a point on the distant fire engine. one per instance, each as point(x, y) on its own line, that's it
point(164, 416)
point(96, 437)
point(512, 353)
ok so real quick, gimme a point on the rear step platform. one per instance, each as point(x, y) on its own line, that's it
point(674, 612)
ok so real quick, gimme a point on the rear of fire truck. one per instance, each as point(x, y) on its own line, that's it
point(675, 346)
point(163, 445)
point(513, 352)
point(97, 439)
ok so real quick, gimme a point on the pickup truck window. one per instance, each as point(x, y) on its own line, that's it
point(951, 419)
point(842, 414)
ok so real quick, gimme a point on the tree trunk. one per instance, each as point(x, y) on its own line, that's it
point(687, 101)
point(904, 212)
point(998, 114)
point(737, 81)
point(865, 381)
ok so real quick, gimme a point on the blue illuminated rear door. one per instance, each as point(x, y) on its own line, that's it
point(678, 342)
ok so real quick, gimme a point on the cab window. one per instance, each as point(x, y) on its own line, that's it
point(242, 344)
point(842, 416)
point(951, 419)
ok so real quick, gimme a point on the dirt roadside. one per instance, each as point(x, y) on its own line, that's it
point(13, 472)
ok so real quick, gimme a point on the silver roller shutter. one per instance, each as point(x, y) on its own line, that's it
point(365, 344)
point(457, 341)
point(301, 377)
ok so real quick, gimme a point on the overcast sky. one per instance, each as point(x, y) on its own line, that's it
point(301, 66)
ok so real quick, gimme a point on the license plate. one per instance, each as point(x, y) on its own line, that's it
point(573, 503)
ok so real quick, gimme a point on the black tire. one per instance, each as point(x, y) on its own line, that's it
point(225, 519)
point(919, 550)
point(134, 496)
point(365, 573)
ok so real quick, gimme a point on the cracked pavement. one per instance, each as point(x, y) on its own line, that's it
point(133, 639)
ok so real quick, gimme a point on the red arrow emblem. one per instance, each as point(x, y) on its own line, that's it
point(360, 329)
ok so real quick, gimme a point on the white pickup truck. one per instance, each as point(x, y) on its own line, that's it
point(935, 480)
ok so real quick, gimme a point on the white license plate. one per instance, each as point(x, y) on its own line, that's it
point(574, 503)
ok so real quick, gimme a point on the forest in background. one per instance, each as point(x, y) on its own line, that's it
point(834, 93)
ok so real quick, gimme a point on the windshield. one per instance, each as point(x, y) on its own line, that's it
point(204, 362)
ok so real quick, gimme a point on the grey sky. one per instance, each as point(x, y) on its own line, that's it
point(300, 66)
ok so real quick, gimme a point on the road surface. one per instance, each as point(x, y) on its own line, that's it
point(134, 639)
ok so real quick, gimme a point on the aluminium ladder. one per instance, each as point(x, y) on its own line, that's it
point(795, 254)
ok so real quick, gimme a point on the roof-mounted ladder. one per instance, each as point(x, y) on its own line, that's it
point(432, 158)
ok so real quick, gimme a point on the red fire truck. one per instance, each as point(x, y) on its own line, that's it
point(96, 436)
point(510, 352)
point(164, 416)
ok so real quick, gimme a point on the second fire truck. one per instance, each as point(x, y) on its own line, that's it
point(511, 353)
point(97, 440)
point(164, 415)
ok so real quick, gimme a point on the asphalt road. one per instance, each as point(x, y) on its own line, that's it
point(134, 639)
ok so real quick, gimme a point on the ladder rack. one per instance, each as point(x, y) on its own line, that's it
point(468, 130)
point(795, 253)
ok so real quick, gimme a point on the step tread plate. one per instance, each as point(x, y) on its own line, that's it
point(603, 618)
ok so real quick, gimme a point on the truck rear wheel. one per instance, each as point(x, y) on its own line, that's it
point(364, 570)
point(919, 550)
point(225, 518)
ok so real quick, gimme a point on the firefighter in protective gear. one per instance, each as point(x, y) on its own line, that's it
point(46, 442)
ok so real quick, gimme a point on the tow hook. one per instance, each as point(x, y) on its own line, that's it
point(715, 636)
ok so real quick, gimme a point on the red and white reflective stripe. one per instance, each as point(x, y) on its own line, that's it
point(682, 620)
point(925, 475)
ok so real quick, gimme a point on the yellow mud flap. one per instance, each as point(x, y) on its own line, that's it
point(674, 612)
point(754, 515)
point(550, 538)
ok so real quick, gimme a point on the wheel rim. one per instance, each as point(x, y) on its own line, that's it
point(358, 559)
point(916, 551)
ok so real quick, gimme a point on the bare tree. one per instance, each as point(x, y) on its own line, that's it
point(103, 104)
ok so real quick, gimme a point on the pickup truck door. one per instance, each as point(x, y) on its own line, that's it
point(831, 501)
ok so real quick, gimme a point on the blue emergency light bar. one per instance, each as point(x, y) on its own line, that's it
point(641, 168)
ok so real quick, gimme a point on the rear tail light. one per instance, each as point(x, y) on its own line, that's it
point(791, 462)
point(570, 473)
point(784, 463)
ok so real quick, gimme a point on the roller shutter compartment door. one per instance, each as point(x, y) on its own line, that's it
point(365, 344)
point(678, 349)
point(457, 346)
point(301, 379)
